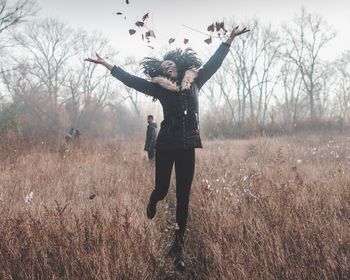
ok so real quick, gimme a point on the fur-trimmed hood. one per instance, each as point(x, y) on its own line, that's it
point(189, 77)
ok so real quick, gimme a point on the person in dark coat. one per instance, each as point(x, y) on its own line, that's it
point(175, 81)
point(72, 134)
point(151, 135)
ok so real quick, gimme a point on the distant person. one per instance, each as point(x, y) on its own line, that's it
point(151, 136)
point(175, 81)
point(73, 133)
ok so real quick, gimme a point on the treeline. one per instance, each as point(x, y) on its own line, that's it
point(274, 80)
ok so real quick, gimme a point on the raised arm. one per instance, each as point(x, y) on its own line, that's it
point(137, 83)
point(215, 61)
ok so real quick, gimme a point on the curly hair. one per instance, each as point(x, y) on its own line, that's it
point(184, 60)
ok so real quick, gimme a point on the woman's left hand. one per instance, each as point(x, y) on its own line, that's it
point(236, 32)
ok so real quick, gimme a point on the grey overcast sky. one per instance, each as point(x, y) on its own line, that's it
point(168, 17)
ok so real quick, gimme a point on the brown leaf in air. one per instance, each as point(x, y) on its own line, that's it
point(139, 23)
point(217, 26)
point(92, 196)
point(150, 33)
point(119, 13)
point(145, 17)
point(211, 28)
point(208, 41)
point(171, 40)
point(223, 27)
point(132, 31)
point(185, 41)
point(127, 1)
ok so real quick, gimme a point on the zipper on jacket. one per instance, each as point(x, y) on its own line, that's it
point(184, 118)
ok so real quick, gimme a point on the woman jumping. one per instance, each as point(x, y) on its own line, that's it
point(175, 81)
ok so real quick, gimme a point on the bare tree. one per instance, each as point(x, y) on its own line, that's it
point(210, 92)
point(342, 90)
point(291, 88)
point(29, 102)
point(50, 44)
point(248, 77)
point(265, 72)
point(89, 88)
point(309, 35)
point(11, 15)
point(128, 94)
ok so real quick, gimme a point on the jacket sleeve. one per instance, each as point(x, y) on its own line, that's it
point(135, 82)
point(213, 64)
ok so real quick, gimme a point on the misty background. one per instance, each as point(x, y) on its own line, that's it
point(290, 73)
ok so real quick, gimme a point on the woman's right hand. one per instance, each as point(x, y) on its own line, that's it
point(99, 60)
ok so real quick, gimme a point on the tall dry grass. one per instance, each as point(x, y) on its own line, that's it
point(260, 209)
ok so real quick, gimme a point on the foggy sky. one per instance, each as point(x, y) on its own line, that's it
point(167, 18)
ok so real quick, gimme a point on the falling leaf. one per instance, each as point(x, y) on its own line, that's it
point(132, 31)
point(150, 47)
point(223, 27)
point(92, 196)
point(119, 13)
point(145, 17)
point(219, 26)
point(211, 28)
point(208, 41)
point(171, 40)
point(143, 37)
point(127, 1)
point(185, 41)
point(139, 23)
point(150, 33)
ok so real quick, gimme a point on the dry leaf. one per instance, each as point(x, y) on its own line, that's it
point(185, 41)
point(132, 31)
point(92, 196)
point(119, 13)
point(150, 33)
point(171, 40)
point(127, 1)
point(139, 23)
point(145, 17)
point(208, 41)
point(211, 28)
point(218, 26)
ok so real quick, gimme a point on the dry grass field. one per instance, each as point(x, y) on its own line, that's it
point(263, 208)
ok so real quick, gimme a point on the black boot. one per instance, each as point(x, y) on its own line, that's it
point(176, 250)
point(151, 208)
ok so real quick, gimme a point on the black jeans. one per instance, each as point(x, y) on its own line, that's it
point(184, 170)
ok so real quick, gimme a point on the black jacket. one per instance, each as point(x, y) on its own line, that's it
point(180, 127)
point(151, 136)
